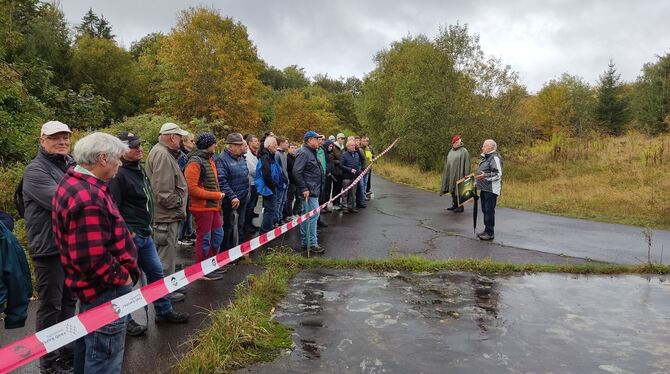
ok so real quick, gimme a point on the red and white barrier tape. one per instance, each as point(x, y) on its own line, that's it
point(32, 347)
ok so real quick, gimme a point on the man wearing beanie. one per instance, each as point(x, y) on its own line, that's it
point(456, 167)
point(205, 199)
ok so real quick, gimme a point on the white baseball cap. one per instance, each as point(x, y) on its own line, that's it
point(54, 127)
point(172, 128)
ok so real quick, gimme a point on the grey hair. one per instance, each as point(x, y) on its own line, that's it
point(493, 144)
point(269, 140)
point(88, 148)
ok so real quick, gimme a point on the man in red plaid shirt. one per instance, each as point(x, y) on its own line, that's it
point(96, 248)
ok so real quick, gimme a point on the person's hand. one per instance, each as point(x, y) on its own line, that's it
point(235, 203)
point(480, 176)
point(353, 171)
point(306, 194)
point(129, 282)
point(222, 195)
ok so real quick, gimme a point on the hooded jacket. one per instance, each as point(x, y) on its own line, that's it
point(40, 179)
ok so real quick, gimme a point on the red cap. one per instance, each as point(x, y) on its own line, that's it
point(455, 139)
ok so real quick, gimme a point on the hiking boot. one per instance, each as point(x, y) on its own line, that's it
point(459, 210)
point(172, 317)
point(223, 270)
point(352, 210)
point(213, 276)
point(176, 297)
point(135, 329)
point(485, 236)
point(314, 249)
point(452, 208)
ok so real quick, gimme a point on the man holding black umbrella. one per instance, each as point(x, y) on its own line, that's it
point(489, 183)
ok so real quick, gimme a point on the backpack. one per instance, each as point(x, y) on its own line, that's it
point(277, 178)
point(18, 200)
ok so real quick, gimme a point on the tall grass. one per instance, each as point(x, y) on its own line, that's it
point(611, 179)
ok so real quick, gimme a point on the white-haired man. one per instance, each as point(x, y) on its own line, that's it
point(489, 179)
point(96, 249)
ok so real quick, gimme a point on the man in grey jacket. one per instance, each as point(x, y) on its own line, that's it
point(56, 302)
point(489, 183)
point(170, 194)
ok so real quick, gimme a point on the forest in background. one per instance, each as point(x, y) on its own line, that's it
point(206, 74)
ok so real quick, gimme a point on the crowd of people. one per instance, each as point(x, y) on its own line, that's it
point(99, 219)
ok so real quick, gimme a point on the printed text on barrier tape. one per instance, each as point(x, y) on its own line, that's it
point(30, 348)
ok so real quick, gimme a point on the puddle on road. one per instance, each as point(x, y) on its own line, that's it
point(397, 322)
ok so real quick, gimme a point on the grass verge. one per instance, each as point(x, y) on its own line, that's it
point(244, 333)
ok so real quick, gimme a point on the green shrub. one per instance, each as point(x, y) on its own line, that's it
point(9, 178)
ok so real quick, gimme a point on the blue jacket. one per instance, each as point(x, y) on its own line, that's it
point(350, 161)
point(233, 175)
point(269, 174)
point(15, 284)
point(307, 172)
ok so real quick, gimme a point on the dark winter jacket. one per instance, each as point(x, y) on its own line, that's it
point(131, 191)
point(271, 177)
point(307, 171)
point(233, 175)
point(40, 180)
point(337, 157)
point(290, 160)
point(350, 160)
point(330, 159)
point(15, 284)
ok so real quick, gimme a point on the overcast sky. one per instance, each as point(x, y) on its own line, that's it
point(539, 39)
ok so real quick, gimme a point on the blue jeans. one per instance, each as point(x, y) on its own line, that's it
point(102, 350)
point(268, 213)
point(186, 226)
point(280, 200)
point(150, 263)
point(360, 191)
point(309, 227)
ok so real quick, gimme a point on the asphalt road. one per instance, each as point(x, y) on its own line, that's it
point(398, 220)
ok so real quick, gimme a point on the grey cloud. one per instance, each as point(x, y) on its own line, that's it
point(541, 40)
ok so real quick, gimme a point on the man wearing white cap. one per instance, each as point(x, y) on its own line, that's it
point(41, 177)
point(170, 194)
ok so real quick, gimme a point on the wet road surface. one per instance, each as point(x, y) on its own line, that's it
point(399, 220)
point(348, 321)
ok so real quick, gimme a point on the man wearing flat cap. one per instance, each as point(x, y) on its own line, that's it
point(170, 193)
point(234, 182)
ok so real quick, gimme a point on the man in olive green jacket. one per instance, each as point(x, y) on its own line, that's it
point(170, 193)
point(456, 167)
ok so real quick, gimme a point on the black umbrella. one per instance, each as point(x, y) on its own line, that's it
point(475, 200)
point(236, 232)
